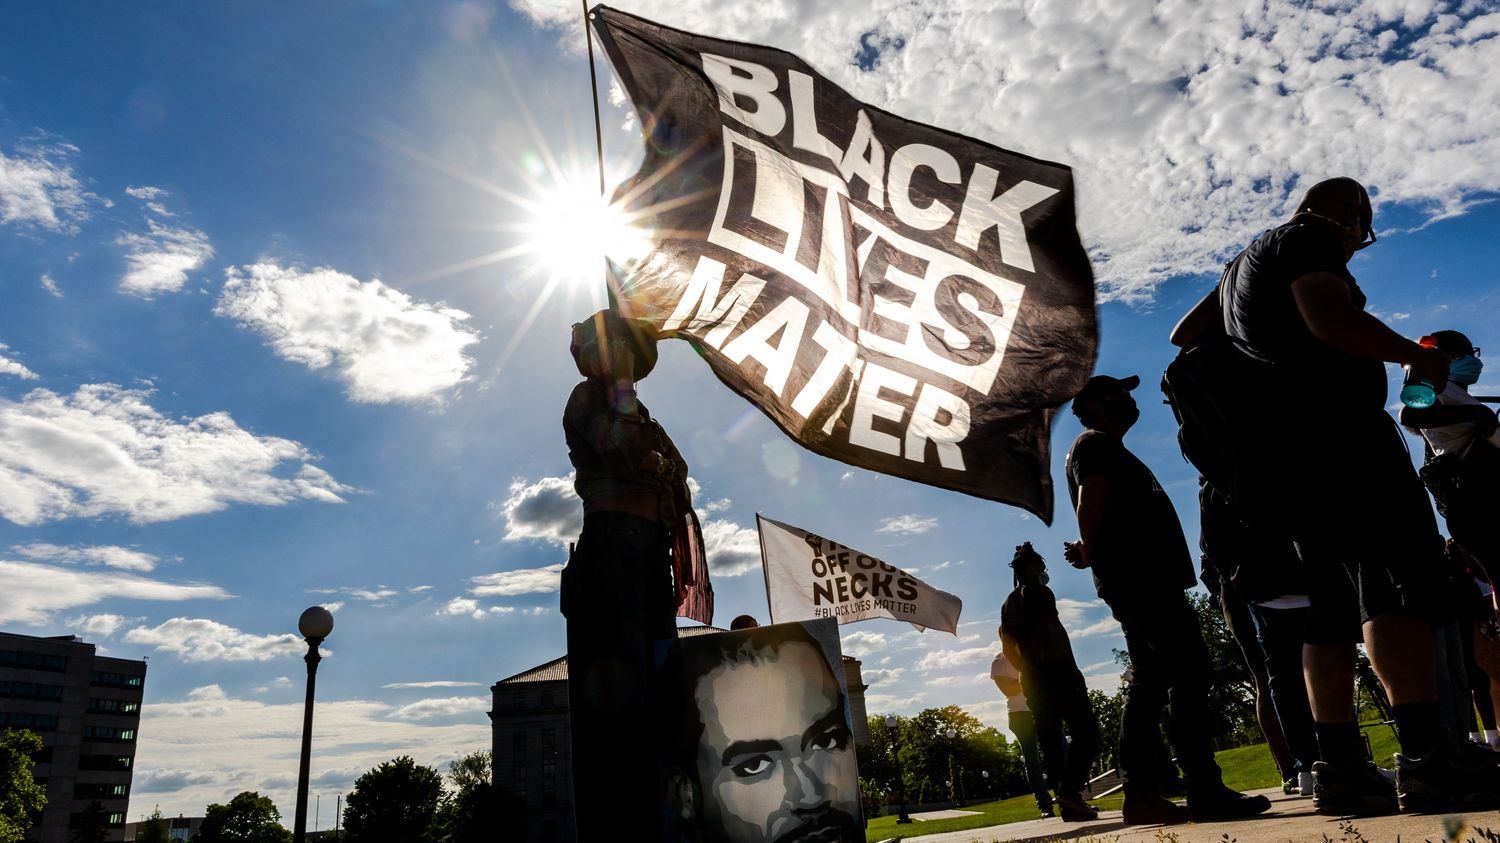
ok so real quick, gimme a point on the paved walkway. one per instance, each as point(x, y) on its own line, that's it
point(1290, 819)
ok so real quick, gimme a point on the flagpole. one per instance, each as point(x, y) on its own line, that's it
point(765, 568)
point(588, 41)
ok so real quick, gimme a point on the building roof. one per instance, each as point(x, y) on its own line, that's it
point(557, 669)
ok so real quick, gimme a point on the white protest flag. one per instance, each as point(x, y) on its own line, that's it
point(809, 577)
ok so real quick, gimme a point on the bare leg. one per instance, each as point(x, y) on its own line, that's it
point(1328, 670)
point(1402, 651)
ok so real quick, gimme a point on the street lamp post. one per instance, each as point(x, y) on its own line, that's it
point(955, 785)
point(890, 725)
point(315, 625)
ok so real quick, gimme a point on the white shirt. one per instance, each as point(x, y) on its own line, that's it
point(1001, 668)
point(1453, 436)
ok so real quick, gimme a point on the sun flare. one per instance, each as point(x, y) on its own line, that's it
point(572, 230)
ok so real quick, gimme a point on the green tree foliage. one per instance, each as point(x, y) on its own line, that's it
point(21, 798)
point(90, 826)
point(476, 810)
point(248, 818)
point(929, 759)
point(1231, 702)
point(153, 830)
point(1107, 711)
point(396, 802)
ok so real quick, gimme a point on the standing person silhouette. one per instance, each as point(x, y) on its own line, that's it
point(1132, 541)
point(1032, 638)
point(617, 590)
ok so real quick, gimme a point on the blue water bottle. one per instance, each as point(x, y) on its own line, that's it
point(1418, 392)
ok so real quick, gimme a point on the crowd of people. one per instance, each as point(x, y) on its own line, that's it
point(1316, 534)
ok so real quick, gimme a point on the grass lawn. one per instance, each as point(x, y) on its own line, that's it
point(1245, 768)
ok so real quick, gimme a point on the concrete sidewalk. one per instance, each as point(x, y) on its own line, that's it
point(1291, 818)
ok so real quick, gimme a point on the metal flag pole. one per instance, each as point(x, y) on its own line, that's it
point(588, 40)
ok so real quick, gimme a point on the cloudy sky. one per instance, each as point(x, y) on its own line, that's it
point(284, 308)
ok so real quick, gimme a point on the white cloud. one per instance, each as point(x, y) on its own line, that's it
point(159, 261)
point(437, 683)
point(944, 659)
point(384, 345)
point(521, 581)
point(202, 640)
point(33, 591)
point(1074, 616)
point(880, 675)
point(863, 643)
point(104, 450)
point(51, 286)
point(38, 188)
point(101, 625)
point(1189, 126)
point(547, 510)
point(11, 367)
point(440, 707)
point(461, 606)
point(907, 525)
point(371, 595)
point(732, 550)
point(109, 555)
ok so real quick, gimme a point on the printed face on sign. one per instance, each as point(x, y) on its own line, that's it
point(774, 756)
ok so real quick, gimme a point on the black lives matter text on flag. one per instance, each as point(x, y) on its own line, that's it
point(892, 295)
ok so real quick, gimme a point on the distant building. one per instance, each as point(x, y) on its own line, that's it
point(87, 709)
point(533, 744)
point(178, 828)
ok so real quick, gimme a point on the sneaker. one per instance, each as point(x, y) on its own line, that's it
point(1355, 789)
point(1305, 783)
point(1145, 807)
point(1444, 780)
point(1220, 803)
point(1289, 787)
point(1074, 809)
point(1047, 812)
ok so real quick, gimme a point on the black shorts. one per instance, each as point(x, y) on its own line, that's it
point(1350, 499)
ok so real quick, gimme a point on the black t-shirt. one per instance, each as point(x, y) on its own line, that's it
point(1140, 549)
point(1260, 311)
point(1029, 618)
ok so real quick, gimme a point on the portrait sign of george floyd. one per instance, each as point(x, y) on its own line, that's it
point(761, 740)
point(892, 295)
point(809, 576)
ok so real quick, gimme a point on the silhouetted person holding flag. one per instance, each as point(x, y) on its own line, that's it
point(1132, 541)
point(618, 594)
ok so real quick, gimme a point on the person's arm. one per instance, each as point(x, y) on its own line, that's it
point(1093, 502)
point(1442, 415)
point(1206, 319)
point(1330, 314)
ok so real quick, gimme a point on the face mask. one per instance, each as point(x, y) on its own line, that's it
point(1465, 370)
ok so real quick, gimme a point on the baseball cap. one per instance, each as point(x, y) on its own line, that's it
point(1101, 383)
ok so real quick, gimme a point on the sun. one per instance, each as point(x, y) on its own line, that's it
point(568, 230)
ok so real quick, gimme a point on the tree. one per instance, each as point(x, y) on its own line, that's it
point(929, 759)
point(91, 826)
point(153, 830)
point(477, 809)
point(1231, 696)
point(396, 802)
point(21, 798)
point(248, 818)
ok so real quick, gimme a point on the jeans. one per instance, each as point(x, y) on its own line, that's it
point(1170, 666)
point(1281, 633)
point(1055, 702)
point(1024, 728)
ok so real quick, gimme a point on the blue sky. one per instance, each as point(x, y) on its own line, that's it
point(280, 324)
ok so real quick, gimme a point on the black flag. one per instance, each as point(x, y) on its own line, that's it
point(892, 295)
